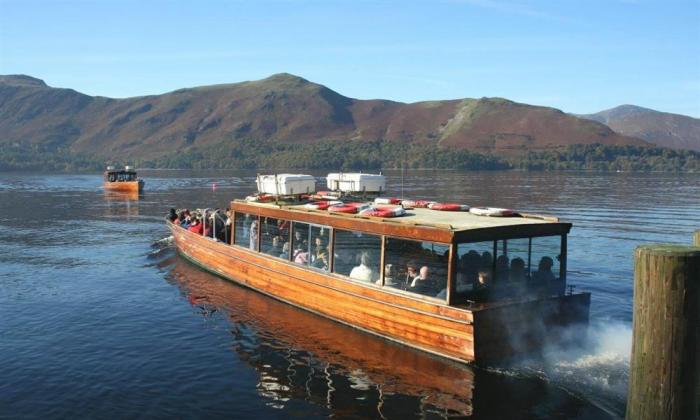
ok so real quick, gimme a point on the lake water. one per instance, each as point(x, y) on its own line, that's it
point(100, 318)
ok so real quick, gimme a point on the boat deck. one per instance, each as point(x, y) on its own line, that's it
point(448, 220)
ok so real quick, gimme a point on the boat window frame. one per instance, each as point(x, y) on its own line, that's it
point(454, 258)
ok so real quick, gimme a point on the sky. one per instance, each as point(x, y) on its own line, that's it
point(577, 56)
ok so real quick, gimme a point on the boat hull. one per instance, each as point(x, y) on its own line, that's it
point(126, 186)
point(440, 329)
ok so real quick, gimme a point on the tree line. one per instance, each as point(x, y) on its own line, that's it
point(361, 155)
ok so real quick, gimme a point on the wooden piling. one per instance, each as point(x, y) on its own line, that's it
point(665, 365)
point(696, 238)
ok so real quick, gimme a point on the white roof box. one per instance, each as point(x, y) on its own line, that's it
point(286, 184)
point(356, 182)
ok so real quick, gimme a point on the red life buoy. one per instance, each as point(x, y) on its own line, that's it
point(384, 212)
point(321, 205)
point(343, 208)
point(491, 211)
point(416, 203)
point(325, 195)
point(448, 207)
point(260, 198)
point(387, 200)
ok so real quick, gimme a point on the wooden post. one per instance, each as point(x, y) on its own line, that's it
point(696, 238)
point(665, 365)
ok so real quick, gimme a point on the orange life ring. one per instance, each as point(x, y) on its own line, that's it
point(448, 207)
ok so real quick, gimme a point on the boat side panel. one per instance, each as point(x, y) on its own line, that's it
point(506, 331)
point(128, 186)
point(298, 286)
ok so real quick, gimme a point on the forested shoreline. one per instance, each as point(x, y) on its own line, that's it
point(362, 155)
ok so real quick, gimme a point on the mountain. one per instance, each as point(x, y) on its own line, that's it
point(281, 109)
point(661, 128)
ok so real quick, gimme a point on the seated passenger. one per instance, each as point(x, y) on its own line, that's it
point(423, 284)
point(172, 215)
point(301, 254)
point(411, 273)
point(285, 251)
point(321, 261)
point(363, 272)
point(502, 269)
point(274, 248)
point(195, 226)
point(482, 289)
point(517, 271)
point(390, 275)
point(543, 278)
point(253, 232)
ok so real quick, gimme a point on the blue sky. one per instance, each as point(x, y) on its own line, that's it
point(578, 56)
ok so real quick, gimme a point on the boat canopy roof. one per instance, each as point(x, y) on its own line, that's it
point(458, 226)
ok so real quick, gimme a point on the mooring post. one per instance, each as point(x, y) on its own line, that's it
point(696, 238)
point(664, 378)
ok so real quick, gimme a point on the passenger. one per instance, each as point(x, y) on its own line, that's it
point(502, 269)
point(172, 215)
point(482, 289)
point(363, 272)
point(253, 232)
point(390, 275)
point(423, 284)
point(301, 254)
point(411, 273)
point(486, 261)
point(321, 261)
point(319, 247)
point(196, 226)
point(543, 279)
point(517, 271)
point(275, 248)
point(285, 251)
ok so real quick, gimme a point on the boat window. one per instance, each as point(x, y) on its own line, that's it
point(310, 245)
point(474, 270)
point(357, 255)
point(545, 277)
point(275, 237)
point(247, 230)
point(512, 273)
point(417, 267)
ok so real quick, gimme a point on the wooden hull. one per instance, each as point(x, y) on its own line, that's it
point(444, 330)
point(127, 187)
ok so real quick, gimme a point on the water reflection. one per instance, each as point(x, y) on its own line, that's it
point(121, 203)
point(301, 356)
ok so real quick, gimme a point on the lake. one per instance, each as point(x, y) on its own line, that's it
point(100, 318)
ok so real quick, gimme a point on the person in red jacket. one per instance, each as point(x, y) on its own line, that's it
point(196, 226)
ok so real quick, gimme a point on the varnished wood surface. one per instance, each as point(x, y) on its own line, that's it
point(503, 329)
point(665, 364)
point(125, 186)
point(430, 327)
point(391, 368)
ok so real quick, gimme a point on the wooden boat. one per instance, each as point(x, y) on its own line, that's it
point(122, 180)
point(470, 302)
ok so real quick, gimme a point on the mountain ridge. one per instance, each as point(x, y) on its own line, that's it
point(661, 128)
point(280, 109)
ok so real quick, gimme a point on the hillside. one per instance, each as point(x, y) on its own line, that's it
point(661, 128)
point(280, 110)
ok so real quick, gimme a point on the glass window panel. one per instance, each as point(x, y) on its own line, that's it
point(247, 231)
point(545, 277)
point(417, 267)
point(301, 245)
point(320, 256)
point(357, 255)
point(474, 271)
point(512, 270)
point(275, 237)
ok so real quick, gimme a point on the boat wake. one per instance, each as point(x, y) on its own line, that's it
point(597, 372)
point(160, 246)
